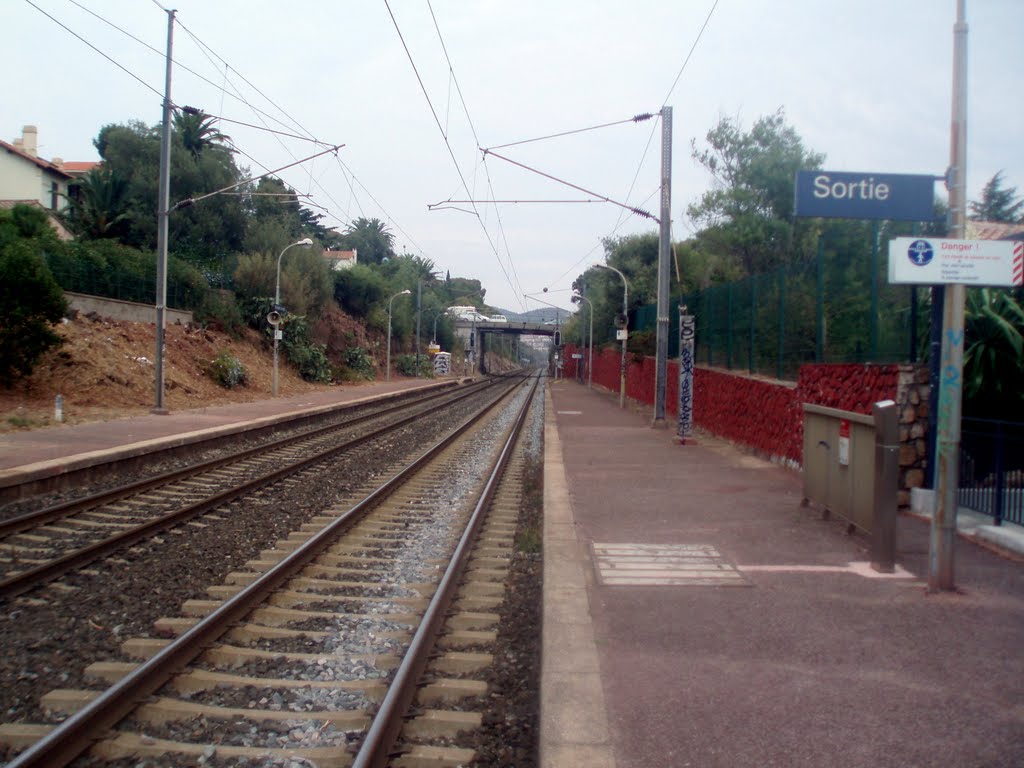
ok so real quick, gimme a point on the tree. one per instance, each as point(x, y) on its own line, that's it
point(197, 132)
point(993, 355)
point(997, 203)
point(748, 215)
point(30, 303)
point(98, 204)
point(371, 238)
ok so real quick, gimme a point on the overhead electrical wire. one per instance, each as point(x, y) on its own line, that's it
point(238, 96)
point(183, 66)
point(517, 288)
point(441, 129)
point(621, 219)
point(688, 55)
point(101, 53)
point(635, 119)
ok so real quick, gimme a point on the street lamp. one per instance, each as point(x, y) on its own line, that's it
point(406, 292)
point(625, 332)
point(304, 242)
point(590, 353)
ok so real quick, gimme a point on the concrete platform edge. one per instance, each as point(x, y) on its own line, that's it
point(574, 730)
point(56, 467)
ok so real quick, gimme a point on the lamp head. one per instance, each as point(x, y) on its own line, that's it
point(406, 291)
point(305, 241)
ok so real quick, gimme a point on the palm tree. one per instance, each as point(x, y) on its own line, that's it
point(994, 354)
point(372, 238)
point(98, 204)
point(197, 131)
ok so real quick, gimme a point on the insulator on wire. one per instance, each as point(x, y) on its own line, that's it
point(641, 117)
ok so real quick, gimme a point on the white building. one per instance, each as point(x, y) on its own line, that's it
point(25, 177)
point(338, 260)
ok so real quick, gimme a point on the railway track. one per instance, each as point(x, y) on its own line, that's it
point(319, 644)
point(38, 546)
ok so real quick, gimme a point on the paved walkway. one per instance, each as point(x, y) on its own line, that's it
point(696, 615)
point(56, 449)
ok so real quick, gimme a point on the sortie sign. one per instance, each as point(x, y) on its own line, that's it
point(889, 196)
point(937, 260)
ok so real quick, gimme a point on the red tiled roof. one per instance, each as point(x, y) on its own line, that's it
point(44, 164)
point(994, 230)
point(79, 166)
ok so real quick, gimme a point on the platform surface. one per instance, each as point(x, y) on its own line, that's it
point(697, 615)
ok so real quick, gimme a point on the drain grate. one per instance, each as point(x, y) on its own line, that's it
point(680, 565)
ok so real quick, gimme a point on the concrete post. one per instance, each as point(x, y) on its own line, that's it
point(887, 469)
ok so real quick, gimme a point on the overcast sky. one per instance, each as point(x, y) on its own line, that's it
point(865, 82)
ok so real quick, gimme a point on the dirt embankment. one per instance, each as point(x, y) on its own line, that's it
point(105, 370)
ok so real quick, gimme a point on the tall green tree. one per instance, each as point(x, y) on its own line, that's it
point(372, 239)
point(998, 203)
point(98, 204)
point(198, 131)
point(748, 214)
point(31, 302)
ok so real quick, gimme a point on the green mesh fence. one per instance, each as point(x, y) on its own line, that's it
point(833, 309)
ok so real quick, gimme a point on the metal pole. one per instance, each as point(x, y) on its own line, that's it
point(943, 530)
point(277, 302)
point(873, 326)
point(664, 270)
point(162, 212)
point(887, 475)
point(419, 312)
point(387, 374)
point(819, 304)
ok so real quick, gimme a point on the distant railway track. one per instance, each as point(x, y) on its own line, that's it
point(319, 645)
point(38, 546)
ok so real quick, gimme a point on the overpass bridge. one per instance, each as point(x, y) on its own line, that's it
point(476, 334)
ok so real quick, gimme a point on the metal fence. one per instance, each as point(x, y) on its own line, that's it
point(834, 308)
point(992, 468)
point(84, 277)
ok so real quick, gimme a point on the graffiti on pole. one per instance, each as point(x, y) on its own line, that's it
point(686, 333)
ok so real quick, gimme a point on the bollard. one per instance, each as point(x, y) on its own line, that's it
point(58, 409)
point(883, 524)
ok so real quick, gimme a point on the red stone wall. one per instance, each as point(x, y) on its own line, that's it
point(766, 414)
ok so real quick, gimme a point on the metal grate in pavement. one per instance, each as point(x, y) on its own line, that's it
point(679, 565)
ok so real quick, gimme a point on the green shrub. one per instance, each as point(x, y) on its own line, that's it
point(220, 310)
point(30, 303)
point(359, 362)
point(228, 371)
point(406, 365)
point(299, 349)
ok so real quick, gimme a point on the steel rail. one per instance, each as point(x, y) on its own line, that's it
point(20, 583)
point(75, 735)
point(376, 748)
point(59, 511)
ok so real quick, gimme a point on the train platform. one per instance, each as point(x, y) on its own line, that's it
point(59, 449)
point(696, 615)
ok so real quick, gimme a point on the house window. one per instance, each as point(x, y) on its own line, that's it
point(53, 195)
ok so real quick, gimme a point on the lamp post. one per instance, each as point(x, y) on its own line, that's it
point(590, 351)
point(305, 242)
point(406, 292)
point(625, 332)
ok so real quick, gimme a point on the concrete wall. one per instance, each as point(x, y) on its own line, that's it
point(767, 415)
point(116, 309)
